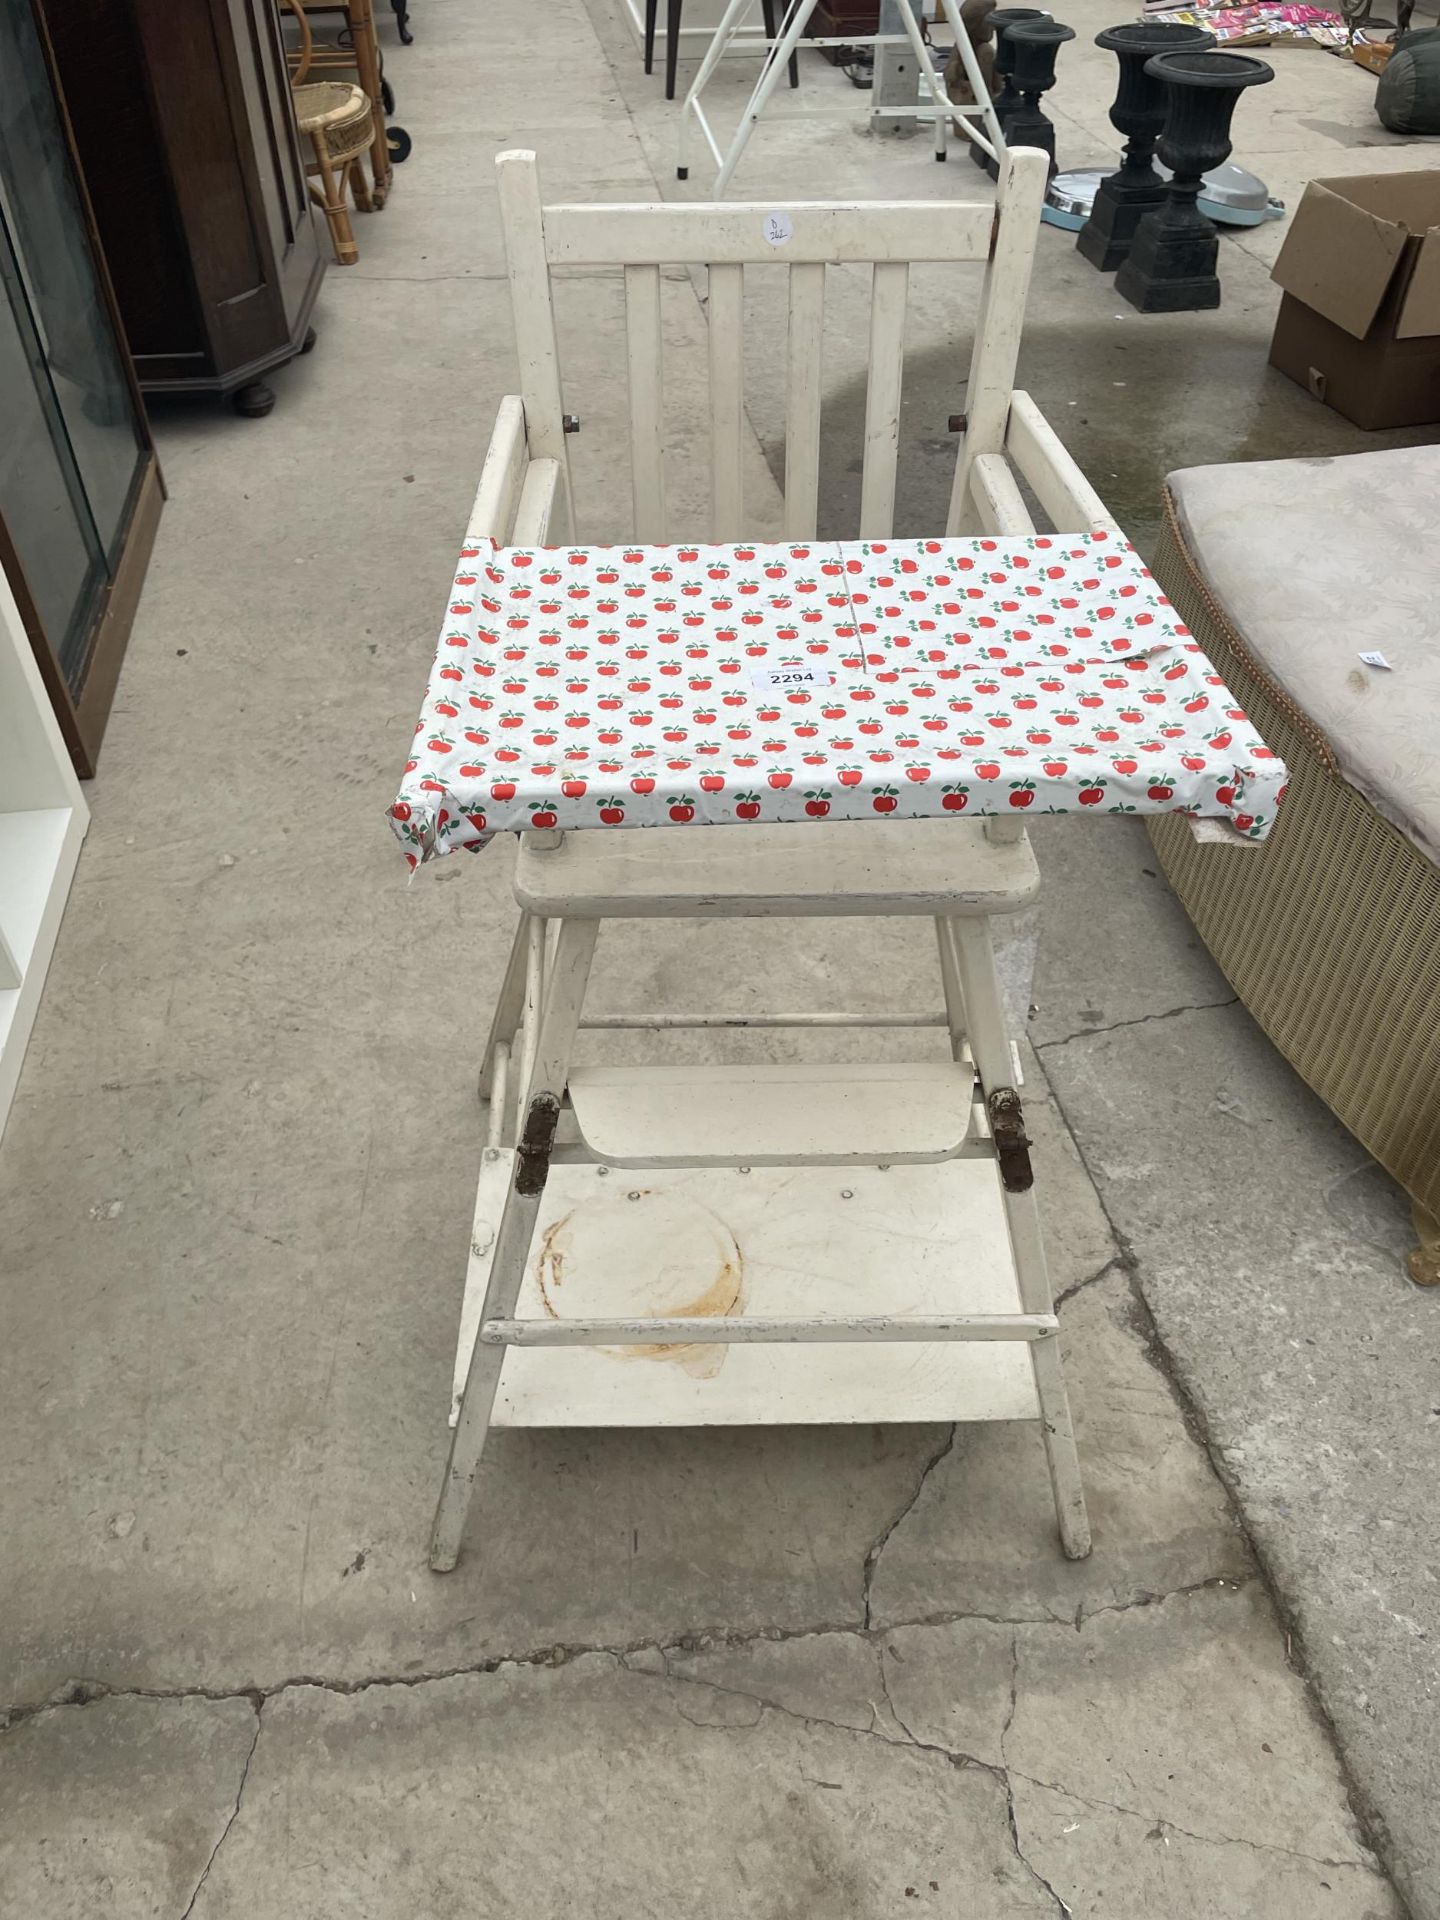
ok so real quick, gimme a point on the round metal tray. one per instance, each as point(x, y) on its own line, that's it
point(1231, 196)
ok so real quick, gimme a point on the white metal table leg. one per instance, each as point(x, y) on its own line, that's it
point(978, 88)
point(539, 1096)
point(974, 961)
point(933, 79)
point(776, 61)
point(724, 33)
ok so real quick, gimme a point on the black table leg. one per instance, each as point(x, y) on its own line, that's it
point(652, 7)
point(672, 44)
point(768, 9)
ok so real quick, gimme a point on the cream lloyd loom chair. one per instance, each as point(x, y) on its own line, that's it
point(933, 1157)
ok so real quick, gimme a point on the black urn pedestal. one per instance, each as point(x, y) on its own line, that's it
point(1139, 113)
point(1006, 98)
point(1173, 256)
point(1036, 43)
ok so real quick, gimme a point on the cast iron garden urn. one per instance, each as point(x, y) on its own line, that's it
point(1035, 43)
point(1006, 99)
point(1171, 264)
point(1139, 113)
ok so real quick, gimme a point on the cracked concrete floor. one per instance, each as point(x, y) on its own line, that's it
point(986, 1730)
point(841, 1672)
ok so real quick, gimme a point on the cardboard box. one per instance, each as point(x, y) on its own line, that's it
point(1360, 322)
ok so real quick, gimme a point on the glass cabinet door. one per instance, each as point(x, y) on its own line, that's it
point(71, 456)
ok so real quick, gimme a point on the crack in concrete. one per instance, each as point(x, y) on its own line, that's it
point(1232, 1582)
point(234, 1816)
point(1141, 1020)
point(1003, 1773)
point(723, 1726)
point(82, 1693)
point(1205, 1839)
point(872, 1557)
point(1010, 1815)
point(766, 1705)
point(1116, 1261)
point(1374, 1829)
point(955, 1755)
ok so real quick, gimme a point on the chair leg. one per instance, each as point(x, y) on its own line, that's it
point(507, 1270)
point(974, 962)
point(672, 44)
point(767, 9)
point(652, 7)
point(539, 1104)
point(360, 187)
point(505, 1021)
point(360, 15)
point(954, 999)
point(332, 199)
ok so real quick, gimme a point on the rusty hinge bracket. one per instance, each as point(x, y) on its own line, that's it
point(532, 1157)
point(957, 423)
point(994, 232)
point(1012, 1143)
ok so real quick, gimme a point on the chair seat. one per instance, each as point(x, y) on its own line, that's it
point(858, 868)
point(341, 113)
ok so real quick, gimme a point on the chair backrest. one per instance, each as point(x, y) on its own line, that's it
point(300, 62)
point(723, 237)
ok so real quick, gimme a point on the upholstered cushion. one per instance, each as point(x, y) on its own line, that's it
point(1314, 562)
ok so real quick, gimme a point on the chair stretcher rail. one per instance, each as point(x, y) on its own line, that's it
point(754, 1329)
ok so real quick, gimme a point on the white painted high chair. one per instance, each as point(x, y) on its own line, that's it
point(783, 1243)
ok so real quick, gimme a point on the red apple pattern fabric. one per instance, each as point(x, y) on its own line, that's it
point(904, 679)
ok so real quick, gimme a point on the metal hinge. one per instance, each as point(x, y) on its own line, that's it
point(532, 1157)
point(570, 422)
point(1012, 1143)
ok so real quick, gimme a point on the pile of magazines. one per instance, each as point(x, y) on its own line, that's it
point(1259, 26)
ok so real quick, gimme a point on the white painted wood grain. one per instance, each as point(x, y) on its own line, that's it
point(493, 513)
point(910, 1241)
point(541, 498)
point(522, 220)
point(644, 358)
point(848, 867)
point(882, 399)
point(804, 359)
point(1023, 179)
point(794, 1114)
point(998, 499)
point(727, 399)
point(1049, 470)
point(701, 233)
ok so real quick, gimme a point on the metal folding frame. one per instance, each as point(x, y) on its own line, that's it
point(939, 108)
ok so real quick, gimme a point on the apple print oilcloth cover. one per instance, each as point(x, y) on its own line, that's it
point(900, 679)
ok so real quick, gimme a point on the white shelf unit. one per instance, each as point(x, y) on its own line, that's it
point(43, 819)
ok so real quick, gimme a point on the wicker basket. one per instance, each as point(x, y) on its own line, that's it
point(1330, 935)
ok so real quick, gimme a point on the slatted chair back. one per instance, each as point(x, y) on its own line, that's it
point(724, 237)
